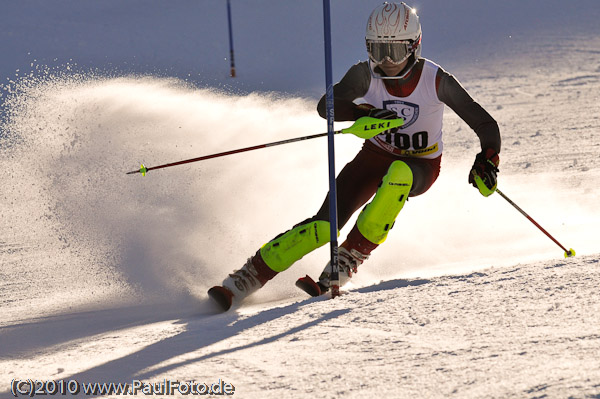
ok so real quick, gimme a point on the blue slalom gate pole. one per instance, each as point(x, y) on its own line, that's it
point(335, 276)
point(232, 62)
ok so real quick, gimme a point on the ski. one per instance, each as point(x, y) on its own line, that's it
point(312, 288)
point(222, 296)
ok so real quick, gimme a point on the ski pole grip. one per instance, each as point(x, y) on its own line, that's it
point(368, 127)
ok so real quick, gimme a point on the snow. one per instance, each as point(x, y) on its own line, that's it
point(103, 275)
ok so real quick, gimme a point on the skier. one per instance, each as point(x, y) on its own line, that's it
point(395, 82)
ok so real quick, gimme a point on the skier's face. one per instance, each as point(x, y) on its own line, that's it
point(391, 69)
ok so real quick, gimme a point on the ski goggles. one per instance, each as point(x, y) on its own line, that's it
point(394, 52)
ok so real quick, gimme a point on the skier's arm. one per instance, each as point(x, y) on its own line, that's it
point(352, 86)
point(451, 93)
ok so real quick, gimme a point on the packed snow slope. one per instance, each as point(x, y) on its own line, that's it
point(103, 275)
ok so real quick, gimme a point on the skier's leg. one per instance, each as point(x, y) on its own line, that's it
point(370, 230)
point(283, 251)
point(356, 183)
point(378, 217)
point(274, 257)
point(374, 222)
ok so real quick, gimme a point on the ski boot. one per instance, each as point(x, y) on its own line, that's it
point(352, 253)
point(242, 283)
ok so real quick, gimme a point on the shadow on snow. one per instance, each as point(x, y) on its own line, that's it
point(204, 327)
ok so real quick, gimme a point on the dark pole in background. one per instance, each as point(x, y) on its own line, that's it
point(232, 72)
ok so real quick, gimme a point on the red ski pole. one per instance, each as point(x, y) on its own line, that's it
point(143, 170)
point(568, 253)
point(365, 128)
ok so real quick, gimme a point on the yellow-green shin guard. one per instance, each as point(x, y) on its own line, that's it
point(377, 218)
point(285, 250)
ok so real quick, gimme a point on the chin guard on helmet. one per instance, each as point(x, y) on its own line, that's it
point(412, 61)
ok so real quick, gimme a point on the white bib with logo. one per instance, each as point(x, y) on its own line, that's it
point(422, 111)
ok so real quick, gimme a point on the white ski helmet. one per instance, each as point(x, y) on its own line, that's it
point(393, 33)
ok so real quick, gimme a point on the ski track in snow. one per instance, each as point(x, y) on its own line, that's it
point(104, 275)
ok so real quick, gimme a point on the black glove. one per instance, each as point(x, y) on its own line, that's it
point(381, 113)
point(361, 110)
point(484, 170)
